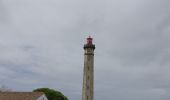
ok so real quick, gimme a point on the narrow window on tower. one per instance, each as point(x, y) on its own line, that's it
point(88, 68)
point(87, 98)
point(87, 87)
point(88, 77)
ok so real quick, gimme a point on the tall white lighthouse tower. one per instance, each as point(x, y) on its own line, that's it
point(88, 77)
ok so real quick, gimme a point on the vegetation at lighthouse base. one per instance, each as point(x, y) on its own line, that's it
point(51, 94)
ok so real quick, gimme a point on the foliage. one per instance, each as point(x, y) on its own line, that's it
point(51, 94)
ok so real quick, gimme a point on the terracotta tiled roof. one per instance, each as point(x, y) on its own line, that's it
point(20, 95)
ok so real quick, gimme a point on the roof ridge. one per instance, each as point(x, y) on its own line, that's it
point(20, 95)
point(18, 92)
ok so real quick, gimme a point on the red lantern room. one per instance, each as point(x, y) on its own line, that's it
point(89, 40)
point(89, 43)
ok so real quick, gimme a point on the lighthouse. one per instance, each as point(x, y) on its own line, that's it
point(88, 76)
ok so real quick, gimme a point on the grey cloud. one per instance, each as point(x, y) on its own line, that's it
point(41, 46)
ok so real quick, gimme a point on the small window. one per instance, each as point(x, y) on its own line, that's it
point(87, 87)
point(88, 68)
point(88, 77)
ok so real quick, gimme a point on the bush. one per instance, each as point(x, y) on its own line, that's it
point(51, 94)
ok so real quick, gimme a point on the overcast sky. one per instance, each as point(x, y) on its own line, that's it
point(41, 45)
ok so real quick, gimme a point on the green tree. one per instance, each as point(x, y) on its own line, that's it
point(51, 94)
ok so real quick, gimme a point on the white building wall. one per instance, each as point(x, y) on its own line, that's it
point(43, 97)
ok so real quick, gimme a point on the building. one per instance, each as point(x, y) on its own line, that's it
point(88, 77)
point(22, 96)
